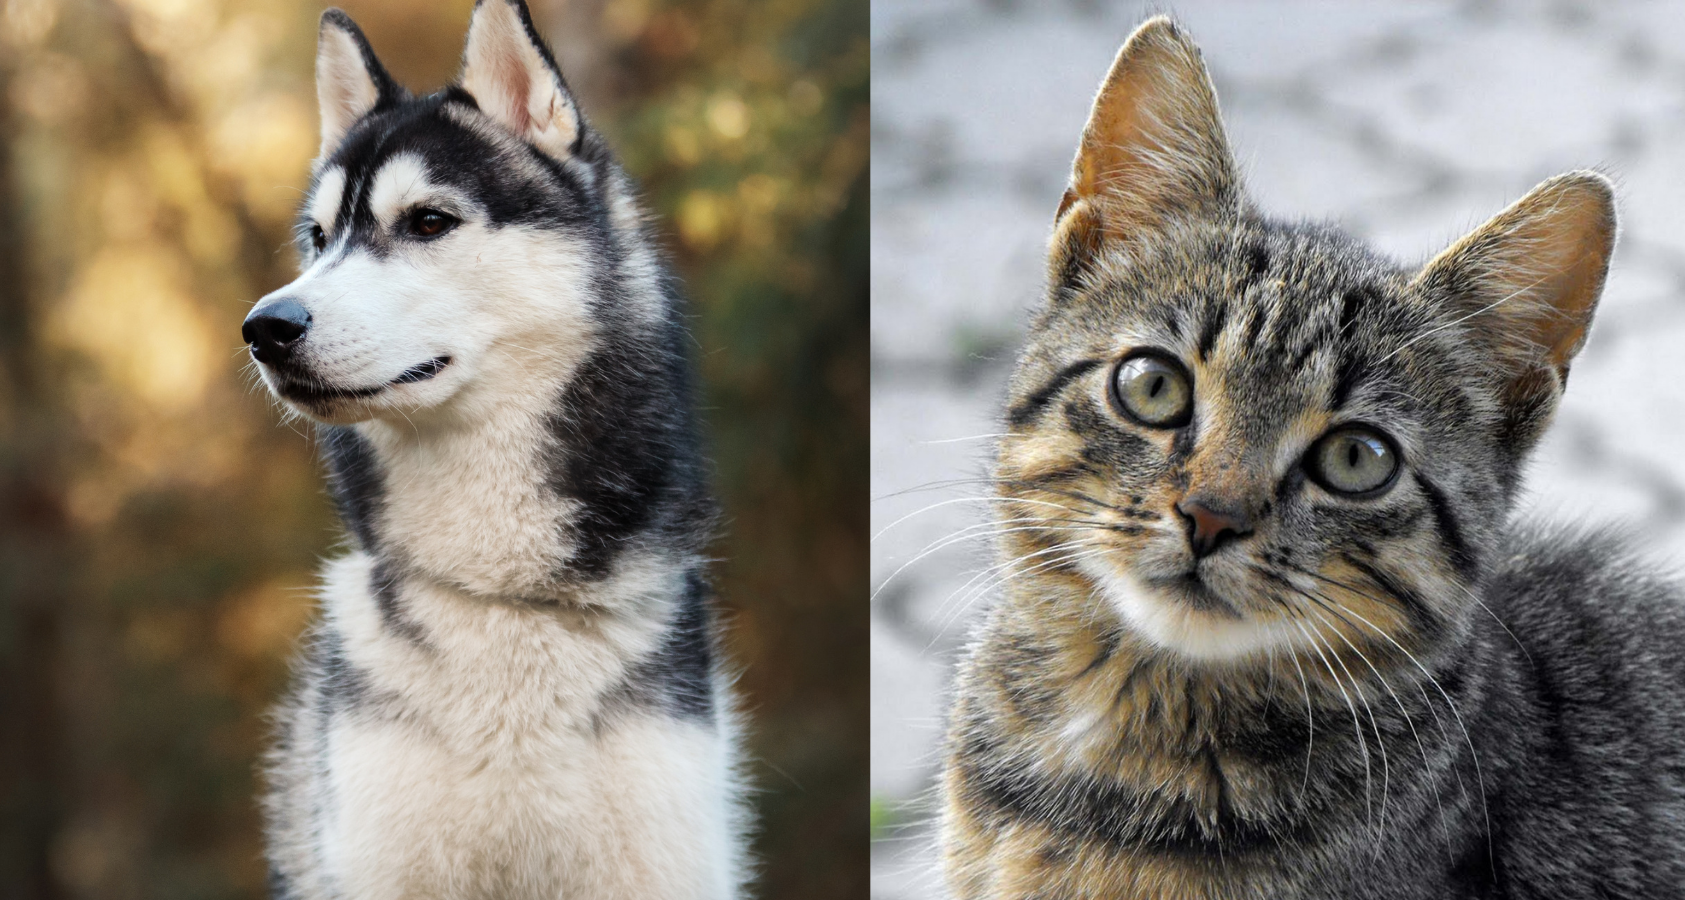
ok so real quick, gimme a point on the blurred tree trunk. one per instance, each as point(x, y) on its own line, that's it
point(32, 528)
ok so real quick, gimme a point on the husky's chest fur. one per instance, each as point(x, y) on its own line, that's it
point(512, 690)
point(501, 751)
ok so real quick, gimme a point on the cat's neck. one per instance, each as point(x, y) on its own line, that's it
point(1224, 757)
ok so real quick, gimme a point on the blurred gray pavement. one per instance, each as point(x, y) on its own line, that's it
point(1407, 123)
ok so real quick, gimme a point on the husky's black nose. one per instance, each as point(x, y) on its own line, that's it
point(273, 329)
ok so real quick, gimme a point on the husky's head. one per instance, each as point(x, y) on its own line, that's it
point(453, 245)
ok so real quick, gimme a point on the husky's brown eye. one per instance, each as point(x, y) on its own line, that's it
point(430, 223)
point(1154, 390)
point(1354, 460)
point(318, 238)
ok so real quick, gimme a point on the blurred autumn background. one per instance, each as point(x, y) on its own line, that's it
point(159, 526)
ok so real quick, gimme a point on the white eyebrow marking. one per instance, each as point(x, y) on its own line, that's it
point(324, 204)
point(399, 183)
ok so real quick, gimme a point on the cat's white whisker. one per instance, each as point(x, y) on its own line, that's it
point(1468, 738)
point(1380, 741)
point(970, 437)
point(1439, 721)
point(1337, 608)
point(1310, 726)
point(938, 505)
point(1009, 575)
point(1357, 727)
point(984, 574)
point(965, 534)
point(1471, 595)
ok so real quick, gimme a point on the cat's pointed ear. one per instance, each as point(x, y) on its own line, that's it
point(512, 76)
point(1153, 149)
point(350, 81)
point(1525, 284)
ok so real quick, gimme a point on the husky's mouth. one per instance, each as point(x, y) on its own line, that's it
point(306, 392)
point(424, 371)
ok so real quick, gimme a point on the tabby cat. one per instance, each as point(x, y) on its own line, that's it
point(1270, 632)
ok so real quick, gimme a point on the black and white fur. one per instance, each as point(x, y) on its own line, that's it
point(513, 690)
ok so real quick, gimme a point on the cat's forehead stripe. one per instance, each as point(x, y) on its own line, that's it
point(1025, 412)
point(1216, 319)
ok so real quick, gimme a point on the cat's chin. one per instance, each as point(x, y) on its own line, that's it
point(1187, 618)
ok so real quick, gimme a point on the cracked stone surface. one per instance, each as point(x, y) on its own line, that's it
point(1406, 123)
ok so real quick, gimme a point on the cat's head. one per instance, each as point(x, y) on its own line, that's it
point(1242, 432)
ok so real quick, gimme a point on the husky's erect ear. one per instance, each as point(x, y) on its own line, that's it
point(1153, 150)
point(349, 80)
point(514, 79)
point(1524, 286)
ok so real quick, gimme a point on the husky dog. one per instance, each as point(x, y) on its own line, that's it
point(513, 690)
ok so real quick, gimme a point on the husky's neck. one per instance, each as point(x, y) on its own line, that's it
point(469, 506)
point(542, 497)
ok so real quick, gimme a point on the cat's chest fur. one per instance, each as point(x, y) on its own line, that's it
point(1084, 764)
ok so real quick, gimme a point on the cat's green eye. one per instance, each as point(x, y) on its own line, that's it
point(1353, 460)
point(1153, 390)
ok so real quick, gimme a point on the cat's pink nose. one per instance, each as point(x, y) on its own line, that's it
point(1212, 523)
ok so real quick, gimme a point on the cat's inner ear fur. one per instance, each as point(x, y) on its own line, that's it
point(350, 81)
point(1153, 150)
point(511, 75)
point(1525, 284)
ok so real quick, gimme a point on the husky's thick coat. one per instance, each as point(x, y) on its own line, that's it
point(512, 691)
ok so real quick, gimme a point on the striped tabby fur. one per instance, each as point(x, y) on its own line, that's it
point(1394, 693)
